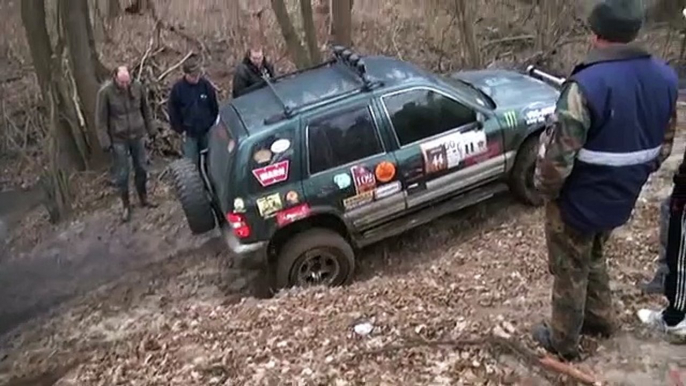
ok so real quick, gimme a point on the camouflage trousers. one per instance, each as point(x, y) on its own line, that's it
point(581, 295)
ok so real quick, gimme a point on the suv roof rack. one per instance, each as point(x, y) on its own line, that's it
point(341, 55)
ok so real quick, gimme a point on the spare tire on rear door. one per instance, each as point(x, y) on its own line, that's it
point(190, 191)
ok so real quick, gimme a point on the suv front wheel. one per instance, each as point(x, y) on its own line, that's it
point(315, 257)
point(522, 174)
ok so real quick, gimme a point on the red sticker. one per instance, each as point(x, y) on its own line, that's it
point(270, 175)
point(364, 179)
point(293, 214)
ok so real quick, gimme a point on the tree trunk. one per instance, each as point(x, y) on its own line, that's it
point(76, 26)
point(101, 72)
point(33, 18)
point(293, 42)
point(113, 9)
point(465, 22)
point(544, 27)
point(341, 11)
point(310, 31)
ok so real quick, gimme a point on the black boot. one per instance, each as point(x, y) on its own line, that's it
point(541, 334)
point(143, 196)
point(126, 207)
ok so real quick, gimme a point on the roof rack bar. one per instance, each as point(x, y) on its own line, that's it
point(287, 110)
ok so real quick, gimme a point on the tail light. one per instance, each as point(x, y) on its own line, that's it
point(238, 224)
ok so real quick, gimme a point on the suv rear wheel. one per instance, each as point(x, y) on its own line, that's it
point(191, 192)
point(315, 257)
point(522, 174)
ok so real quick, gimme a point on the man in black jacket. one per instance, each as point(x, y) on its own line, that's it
point(193, 108)
point(250, 72)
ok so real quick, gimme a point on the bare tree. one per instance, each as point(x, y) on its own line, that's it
point(341, 12)
point(310, 31)
point(113, 9)
point(465, 22)
point(545, 27)
point(63, 149)
point(84, 66)
point(293, 42)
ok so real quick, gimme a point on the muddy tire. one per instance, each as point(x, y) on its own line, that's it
point(190, 191)
point(522, 174)
point(316, 256)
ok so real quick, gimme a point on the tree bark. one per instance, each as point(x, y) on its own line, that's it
point(33, 18)
point(465, 21)
point(310, 31)
point(293, 42)
point(546, 19)
point(341, 11)
point(113, 9)
point(84, 68)
point(101, 72)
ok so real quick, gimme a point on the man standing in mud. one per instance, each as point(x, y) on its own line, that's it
point(193, 108)
point(612, 127)
point(250, 72)
point(123, 120)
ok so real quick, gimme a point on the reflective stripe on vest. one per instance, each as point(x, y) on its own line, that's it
point(618, 159)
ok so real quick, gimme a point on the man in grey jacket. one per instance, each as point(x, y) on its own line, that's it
point(123, 121)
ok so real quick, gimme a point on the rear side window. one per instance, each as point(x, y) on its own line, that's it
point(341, 138)
point(270, 159)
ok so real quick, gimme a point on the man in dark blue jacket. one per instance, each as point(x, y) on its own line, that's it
point(193, 108)
point(612, 127)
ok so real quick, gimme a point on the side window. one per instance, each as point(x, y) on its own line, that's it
point(342, 138)
point(422, 113)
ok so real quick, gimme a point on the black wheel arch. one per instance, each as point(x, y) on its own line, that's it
point(318, 219)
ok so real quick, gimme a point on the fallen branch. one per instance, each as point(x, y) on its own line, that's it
point(174, 67)
point(546, 361)
point(508, 39)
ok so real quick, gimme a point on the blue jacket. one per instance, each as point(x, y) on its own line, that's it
point(192, 108)
point(631, 97)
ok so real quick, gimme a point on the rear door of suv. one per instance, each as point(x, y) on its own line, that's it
point(350, 172)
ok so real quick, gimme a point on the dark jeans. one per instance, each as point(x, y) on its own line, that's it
point(121, 150)
point(192, 147)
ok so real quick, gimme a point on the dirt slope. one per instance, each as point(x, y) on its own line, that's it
point(148, 304)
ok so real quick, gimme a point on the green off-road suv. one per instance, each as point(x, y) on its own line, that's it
point(315, 164)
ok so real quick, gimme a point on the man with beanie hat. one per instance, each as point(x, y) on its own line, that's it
point(612, 127)
point(193, 108)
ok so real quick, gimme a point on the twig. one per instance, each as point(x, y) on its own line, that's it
point(508, 39)
point(174, 67)
point(145, 56)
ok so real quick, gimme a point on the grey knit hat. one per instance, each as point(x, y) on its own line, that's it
point(617, 20)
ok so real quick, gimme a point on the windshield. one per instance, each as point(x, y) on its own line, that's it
point(481, 97)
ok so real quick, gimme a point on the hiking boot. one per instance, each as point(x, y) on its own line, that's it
point(542, 335)
point(603, 330)
point(126, 207)
point(654, 319)
point(143, 197)
point(655, 286)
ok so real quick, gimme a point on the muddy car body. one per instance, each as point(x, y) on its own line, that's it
point(313, 165)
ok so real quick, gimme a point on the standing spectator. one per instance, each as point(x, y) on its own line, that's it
point(250, 71)
point(592, 165)
point(123, 120)
point(193, 108)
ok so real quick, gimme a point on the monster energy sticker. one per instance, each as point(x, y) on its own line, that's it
point(510, 119)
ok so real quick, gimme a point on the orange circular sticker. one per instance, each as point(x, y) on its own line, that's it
point(385, 171)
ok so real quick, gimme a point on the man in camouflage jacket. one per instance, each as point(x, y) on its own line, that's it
point(613, 126)
point(123, 121)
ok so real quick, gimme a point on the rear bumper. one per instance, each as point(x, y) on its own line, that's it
point(252, 255)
